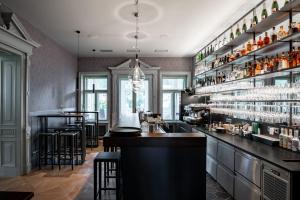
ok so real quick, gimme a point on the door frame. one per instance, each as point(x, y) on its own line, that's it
point(21, 44)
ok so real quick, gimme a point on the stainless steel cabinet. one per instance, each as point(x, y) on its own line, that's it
point(275, 183)
point(225, 178)
point(248, 166)
point(212, 147)
point(225, 155)
point(211, 166)
point(245, 190)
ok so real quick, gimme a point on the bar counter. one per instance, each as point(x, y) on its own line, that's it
point(161, 166)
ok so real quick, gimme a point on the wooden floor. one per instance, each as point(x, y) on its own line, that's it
point(48, 184)
point(66, 184)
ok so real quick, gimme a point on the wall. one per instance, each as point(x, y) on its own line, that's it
point(53, 73)
point(166, 64)
point(52, 78)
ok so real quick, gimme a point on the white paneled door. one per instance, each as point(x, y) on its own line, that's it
point(10, 114)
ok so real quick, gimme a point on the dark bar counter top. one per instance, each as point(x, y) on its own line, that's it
point(282, 158)
point(160, 165)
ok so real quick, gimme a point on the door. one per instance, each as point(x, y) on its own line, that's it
point(10, 114)
point(129, 101)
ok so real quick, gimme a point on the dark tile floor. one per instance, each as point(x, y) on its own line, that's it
point(213, 191)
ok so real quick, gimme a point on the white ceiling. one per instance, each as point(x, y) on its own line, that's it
point(180, 26)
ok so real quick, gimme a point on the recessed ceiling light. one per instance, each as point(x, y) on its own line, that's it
point(133, 51)
point(161, 50)
point(93, 36)
point(106, 50)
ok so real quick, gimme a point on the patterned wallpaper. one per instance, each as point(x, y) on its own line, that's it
point(52, 74)
point(165, 63)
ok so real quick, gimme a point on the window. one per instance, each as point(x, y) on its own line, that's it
point(171, 88)
point(129, 101)
point(94, 95)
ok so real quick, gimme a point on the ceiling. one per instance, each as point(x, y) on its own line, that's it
point(180, 26)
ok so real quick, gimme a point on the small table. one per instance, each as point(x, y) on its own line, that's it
point(16, 195)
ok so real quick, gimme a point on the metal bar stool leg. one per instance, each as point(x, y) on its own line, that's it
point(58, 151)
point(40, 150)
point(95, 179)
point(72, 151)
point(52, 151)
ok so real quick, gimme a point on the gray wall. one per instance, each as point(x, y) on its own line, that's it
point(165, 63)
point(52, 74)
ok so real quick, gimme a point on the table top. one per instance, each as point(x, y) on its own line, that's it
point(10, 195)
point(62, 115)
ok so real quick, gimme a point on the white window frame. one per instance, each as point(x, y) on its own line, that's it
point(82, 76)
point(187, 75)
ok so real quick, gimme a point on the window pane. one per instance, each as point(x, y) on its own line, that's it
point(167, 106)
point(102, 105)
point(142, 97)
point(173, 83)
point(176, 105)
point(125, 98)
point(90, 102)
point(89, 105)
point(100, 83)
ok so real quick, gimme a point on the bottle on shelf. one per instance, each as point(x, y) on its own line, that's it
point(238, 31)
point(275, 6)
point(286, 2)
point(285, 139)
point(243, 51)
point(282, 62)
point(295, 141)
point(244, 27)
point(298, 56)
point(231, 34)
point(258, 67)
point(266, 39)
point(290, 138)
point(254, 45)
point(255, 19)
point(281, 33)
point(292, 59)
point(294, 28)
point(274, 35)
point(249, 47)
point(264, 12)
point(260, 42)
point(281, 136)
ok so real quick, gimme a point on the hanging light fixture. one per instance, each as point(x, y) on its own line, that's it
point(136, 75)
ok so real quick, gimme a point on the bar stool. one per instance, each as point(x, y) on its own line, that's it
point(106, 157)
point(70, 148)
point(91, 138)
point(51, 151)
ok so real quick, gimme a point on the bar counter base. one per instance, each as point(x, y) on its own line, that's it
point(164, 173)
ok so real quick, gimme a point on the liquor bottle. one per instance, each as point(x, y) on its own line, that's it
point(260, 42)
point(271, 64)
point(290, 138)
point(238, 31)
point(285, 139)
point(231, 34)
point(264, 13)
point(274, 35)
point(283, 62)
point(249, 47)
point(224, 40)
point(281, 135)
point(298, 57)
point(286, 2)
point(294, 27)
point(295, 141)
point(244, 28)
point(276, 63)
point(258, 67)
point(275, 6)
point(254, 45)
point(255, 19)
point(281, 33)
point(266, 39)
point(243, 51)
